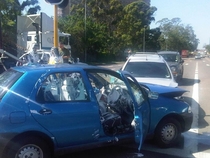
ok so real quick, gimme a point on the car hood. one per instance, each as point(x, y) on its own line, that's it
point(165, 90)
point(158, 81)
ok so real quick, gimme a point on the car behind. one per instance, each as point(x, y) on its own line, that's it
point(150, 68)
point(175, 62)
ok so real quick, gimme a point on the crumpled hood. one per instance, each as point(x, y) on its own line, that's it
point(158, 81)
point(165, 90)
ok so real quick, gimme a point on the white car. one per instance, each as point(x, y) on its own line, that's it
point(150, 68)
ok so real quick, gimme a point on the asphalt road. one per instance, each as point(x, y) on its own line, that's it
point(118, 152)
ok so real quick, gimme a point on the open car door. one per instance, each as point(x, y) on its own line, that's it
point(141, 108)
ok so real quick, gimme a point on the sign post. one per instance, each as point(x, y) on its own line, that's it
point(61, 4)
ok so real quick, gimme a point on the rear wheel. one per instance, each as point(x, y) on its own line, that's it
point(168, 133)
point(28, 148)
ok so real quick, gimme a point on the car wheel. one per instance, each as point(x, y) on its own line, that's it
point(168, 133)
point(28, 147)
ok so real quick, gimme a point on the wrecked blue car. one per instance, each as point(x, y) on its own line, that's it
point(48, 110)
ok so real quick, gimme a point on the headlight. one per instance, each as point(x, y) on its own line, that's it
point(178, 98)
point(174, 70)
point(189, 109)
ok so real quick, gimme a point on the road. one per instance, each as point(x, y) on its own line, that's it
point(196, 142)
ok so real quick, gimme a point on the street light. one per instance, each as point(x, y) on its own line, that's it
point(61, 4)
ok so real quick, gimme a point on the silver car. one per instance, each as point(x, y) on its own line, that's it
point(150, 68)
point(175, 62)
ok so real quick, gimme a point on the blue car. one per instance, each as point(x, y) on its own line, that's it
point(48, 110)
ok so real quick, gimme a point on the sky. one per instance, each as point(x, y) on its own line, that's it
point(195, 13)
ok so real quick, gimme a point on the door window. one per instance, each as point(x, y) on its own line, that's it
point(63, 87)
point(115, 103)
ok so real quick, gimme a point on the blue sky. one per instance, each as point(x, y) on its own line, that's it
point(195, 13)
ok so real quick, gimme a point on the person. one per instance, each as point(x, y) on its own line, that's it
point(55, 57)
point(33, 56)
point(64, 53)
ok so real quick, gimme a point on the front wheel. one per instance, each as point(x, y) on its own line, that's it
point(168, 133)
point(28, 147)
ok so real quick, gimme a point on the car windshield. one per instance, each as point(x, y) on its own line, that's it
point(170, 57)
point(101, 79)
point(7, 79)
point(148, 69)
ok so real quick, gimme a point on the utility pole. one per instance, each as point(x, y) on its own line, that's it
point(144, 40)
point(61, 4)
point(85, 31)
point(56, 30)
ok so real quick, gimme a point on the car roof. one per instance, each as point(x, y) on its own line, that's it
point(146, 57)
point(168, 52)
point(56, 67)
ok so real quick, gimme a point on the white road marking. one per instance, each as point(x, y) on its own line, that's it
point(195, 109)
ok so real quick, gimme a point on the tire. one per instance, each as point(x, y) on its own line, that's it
point(28, 147)
point(168, 133)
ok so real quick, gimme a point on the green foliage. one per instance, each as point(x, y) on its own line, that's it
point(175, 36)
point(207, 47)
point(135, 22)
point(110, 28)
point(10, 9)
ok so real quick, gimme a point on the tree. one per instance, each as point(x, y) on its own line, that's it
point(175, 36)
point(31, 6)
point(110, 28)
point(135, 22)
point(8, 15)
point(207, 47)
point(10, 9)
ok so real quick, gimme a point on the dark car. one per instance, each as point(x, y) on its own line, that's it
point(175, 62)
point(48, 110)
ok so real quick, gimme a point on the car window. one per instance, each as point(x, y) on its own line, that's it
point(136, 91)
point(111, 93)
point(170, 57)
point(7, 79)
point(148, 69)
point(63, 87)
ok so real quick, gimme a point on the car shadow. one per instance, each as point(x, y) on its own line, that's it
point(201, 113)
point(188, 81)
